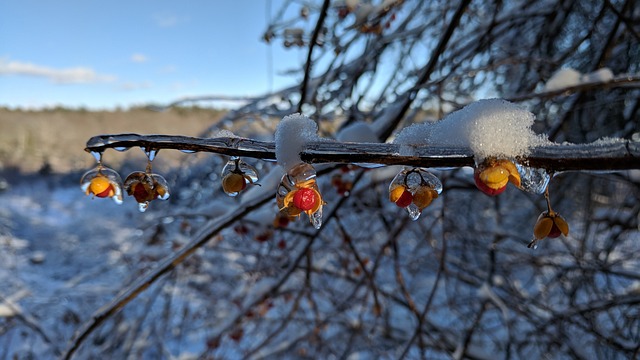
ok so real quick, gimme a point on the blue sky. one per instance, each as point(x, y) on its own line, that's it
point(103, 54)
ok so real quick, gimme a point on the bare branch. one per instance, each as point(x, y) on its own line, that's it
point(312, 44)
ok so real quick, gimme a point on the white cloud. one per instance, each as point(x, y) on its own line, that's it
point(129, 86)
point(139, 58)
point(74, 75)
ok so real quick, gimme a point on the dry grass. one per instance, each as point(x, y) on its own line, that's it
point(56, 138)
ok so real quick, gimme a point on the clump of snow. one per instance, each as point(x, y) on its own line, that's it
point(569, 77)
point(563, 78)
point(224, 133)
point(600, 75)
point(357, 132)
point(492, 127)
point(292, 135)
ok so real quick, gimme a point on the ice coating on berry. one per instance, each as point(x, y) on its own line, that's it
point(102, 182)
point(146, 187)
point(236, 175)
point(414, 189)
point(298, 193)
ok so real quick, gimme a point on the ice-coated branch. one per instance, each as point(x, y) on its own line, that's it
point(601, 156)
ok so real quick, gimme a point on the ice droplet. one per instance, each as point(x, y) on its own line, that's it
point(151, 153)
point(533, 180)
point(187, 151)
point(143, 206)
point(97, 155)
point(414, 212)
point(121, 148)
point(316, 218)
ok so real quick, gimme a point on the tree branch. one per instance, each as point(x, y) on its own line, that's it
point(312, 43)
point(614, 155)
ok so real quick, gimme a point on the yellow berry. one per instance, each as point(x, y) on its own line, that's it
point(100, 186)
point(514, 175)
point(495, 177)
point(423, 197)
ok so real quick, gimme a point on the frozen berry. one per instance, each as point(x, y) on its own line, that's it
point(305, 199)
point(234, 183)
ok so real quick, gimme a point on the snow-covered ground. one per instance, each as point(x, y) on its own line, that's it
point(62, 256)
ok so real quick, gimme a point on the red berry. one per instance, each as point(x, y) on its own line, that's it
point(405, 199)
point(555, 231)
point(140, 193)
point(105, 193)
point(305, 199)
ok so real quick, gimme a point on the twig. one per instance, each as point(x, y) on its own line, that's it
point(312, 44)
point(619, 155)
point(29, 322)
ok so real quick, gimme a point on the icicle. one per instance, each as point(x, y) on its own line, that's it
point(533, 180)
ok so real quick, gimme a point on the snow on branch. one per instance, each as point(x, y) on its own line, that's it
point(614, 154)
point(625, 81)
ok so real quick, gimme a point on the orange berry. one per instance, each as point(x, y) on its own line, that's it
point(396, 193)
point(100, 187)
